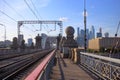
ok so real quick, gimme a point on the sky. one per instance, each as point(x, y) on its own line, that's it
point(100, 13)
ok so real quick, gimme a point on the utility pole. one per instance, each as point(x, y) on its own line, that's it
point(85, 15)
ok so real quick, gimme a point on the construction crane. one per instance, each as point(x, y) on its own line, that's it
point(115, 46)
point(117, 29)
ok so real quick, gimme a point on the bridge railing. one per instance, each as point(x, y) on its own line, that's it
point(105, 67)
point(43, 70)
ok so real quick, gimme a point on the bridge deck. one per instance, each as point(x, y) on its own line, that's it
point(65, 69)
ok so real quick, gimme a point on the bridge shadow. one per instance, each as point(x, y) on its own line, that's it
point(63, 62)
point(60, 66)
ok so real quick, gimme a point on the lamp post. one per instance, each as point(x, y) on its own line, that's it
point(4, 34)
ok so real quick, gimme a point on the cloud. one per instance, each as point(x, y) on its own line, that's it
point(63, 19)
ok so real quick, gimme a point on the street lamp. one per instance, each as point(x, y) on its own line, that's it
point(4, 33)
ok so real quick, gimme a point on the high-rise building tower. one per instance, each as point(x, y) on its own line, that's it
point(99, 34)
point(92, 33)
point(78, 31)
point(82, 33)
point(100, 30)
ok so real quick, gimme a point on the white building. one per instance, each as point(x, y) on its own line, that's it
point(106, 34)
point(44, 37)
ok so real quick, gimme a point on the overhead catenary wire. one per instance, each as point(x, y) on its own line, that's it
point(28, 28)
point(8, 16)
point(35, 8)
point(12, 8)
point(12, 19)
point(31, 9)
point(40, 16)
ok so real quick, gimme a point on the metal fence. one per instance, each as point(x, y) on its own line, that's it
point(105, 67)
point(45, 74)
point(42, 71)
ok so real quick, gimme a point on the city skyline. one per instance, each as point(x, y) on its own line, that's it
point(99, 14)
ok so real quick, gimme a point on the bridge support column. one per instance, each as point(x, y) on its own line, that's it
point(69, 42)
point(65, 52)
point(75, 55)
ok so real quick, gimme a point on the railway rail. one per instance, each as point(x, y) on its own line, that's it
point(17, 65)
point(16, 53)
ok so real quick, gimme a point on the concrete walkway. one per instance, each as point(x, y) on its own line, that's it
point(65, 69)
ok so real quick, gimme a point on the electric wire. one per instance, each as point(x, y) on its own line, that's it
point(28, 28)
point(31, 9)
point(19, 14)
point(8, 16)
point(12, 8)
point(35, 8)
point(16, 13)
point(40, 16)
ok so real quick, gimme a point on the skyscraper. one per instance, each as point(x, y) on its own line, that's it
point(99, 34)
point(82, 33)
point(78, 31)
point(92, 33)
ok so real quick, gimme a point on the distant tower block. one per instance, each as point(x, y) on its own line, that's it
point(69, 42)
point(99, 34)
point(78, 32)
point(100, 30)
point(38, 42)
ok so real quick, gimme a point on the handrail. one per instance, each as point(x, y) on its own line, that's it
point(38, 71)
point(104, 67)
point(102, 57)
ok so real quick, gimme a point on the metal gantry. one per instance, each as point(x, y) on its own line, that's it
point(59, 23)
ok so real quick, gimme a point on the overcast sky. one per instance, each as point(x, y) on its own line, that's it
point(100, 13)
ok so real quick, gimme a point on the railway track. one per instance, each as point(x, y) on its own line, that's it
point(20, 64)
point(4, 56)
